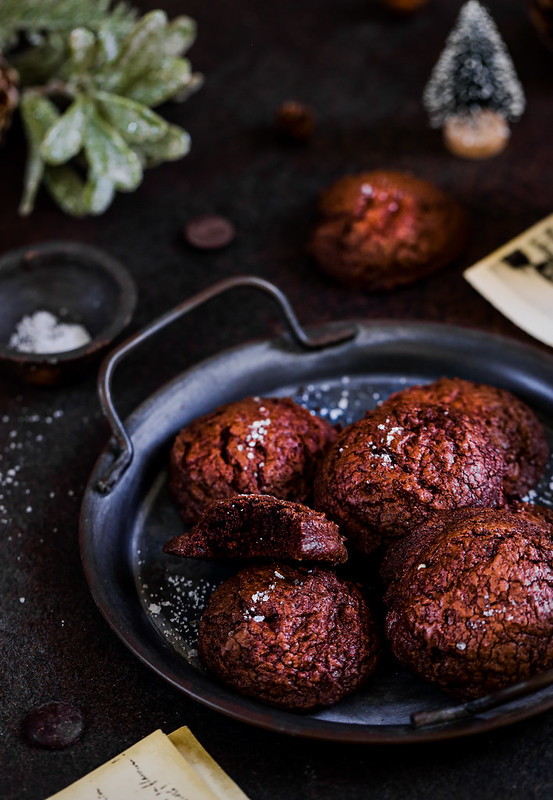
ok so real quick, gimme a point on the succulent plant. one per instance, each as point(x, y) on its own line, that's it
point(90, 74)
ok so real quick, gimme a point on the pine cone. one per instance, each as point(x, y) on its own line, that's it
point(9, 95)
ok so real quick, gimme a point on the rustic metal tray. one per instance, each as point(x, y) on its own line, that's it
point(153, 601)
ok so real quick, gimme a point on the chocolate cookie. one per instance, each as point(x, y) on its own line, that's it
point(390, 472)
point(252, 446)
point(260, 526)
point(294, 638)
point(471, 609)
point(533, 513)
point(512, 425)
point(382, 229)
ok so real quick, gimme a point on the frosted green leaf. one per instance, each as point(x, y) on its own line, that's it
point(135, 122)
point(98, 194)
point(37, 16)
point(109, 45)
point(181, 35)
point(41, 62)
point(38, 115)
point(66, 188)
point(82, 50)
point(109, 156)
point(158, 85)
point(65, 138)
point(174, 145)
point(139, 50)
point(196, 82)
point(76, 197)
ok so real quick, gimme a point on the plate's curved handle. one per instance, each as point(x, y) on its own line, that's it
point(123, 443)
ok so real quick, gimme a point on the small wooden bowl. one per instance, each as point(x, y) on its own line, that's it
point(76, 283)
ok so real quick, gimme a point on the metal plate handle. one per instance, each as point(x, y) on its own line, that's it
point(122, 442)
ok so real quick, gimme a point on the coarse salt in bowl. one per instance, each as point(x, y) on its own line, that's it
point(61, 305)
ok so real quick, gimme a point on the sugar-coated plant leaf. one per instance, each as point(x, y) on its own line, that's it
point(38, 64)
point(38, 115)
point(174, 145)
point(109, 45)
point(82, 50)
point(135, 122)
point(91, 71)
point(158, 85)
point(196, 82)
point(66, 188)
point(109, 156)
point(65, 138)
point(138, 52)
point(98, 194)
point(180, 36)
point(39, 16)
point(75, 196)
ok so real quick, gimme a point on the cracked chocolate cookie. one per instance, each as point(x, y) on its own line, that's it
point(512, 425)
point(251, 446)
point(262, 527)
point(390, 472)
point(382, 229)
point(471, 608)
point(294, 638)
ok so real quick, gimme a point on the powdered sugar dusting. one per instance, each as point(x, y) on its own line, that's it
point(176, 605)
point(175, 592)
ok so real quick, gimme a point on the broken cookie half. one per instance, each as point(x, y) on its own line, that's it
point(261, 526)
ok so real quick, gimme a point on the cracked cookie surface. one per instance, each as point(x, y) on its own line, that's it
point(391, 471)
point(512, 425)
point(471, 606)
point(291, 637)
point(382, 229)
point(251, 446)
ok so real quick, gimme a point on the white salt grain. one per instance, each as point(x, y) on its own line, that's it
point(42, 332)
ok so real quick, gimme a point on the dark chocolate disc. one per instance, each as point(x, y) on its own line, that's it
point(53, 726)
point(209, 232)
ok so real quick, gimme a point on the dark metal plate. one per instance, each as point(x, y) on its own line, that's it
point(153, 602)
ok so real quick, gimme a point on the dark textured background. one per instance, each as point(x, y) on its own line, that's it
point(363, 71)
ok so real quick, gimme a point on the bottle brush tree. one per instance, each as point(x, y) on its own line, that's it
point(473, 91)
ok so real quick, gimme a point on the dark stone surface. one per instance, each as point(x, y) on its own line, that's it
point(362, 71)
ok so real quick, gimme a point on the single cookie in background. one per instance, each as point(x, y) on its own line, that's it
point(294, 638)
point(393, 470)
point(251, 446)
point(261, 527)
point(382, 229)
point(471, 607)
point(512, 425)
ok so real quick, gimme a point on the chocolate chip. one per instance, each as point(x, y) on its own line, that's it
point(53, 726)
point(209, 232)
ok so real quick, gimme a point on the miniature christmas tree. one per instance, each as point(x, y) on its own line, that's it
point(473, 90)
